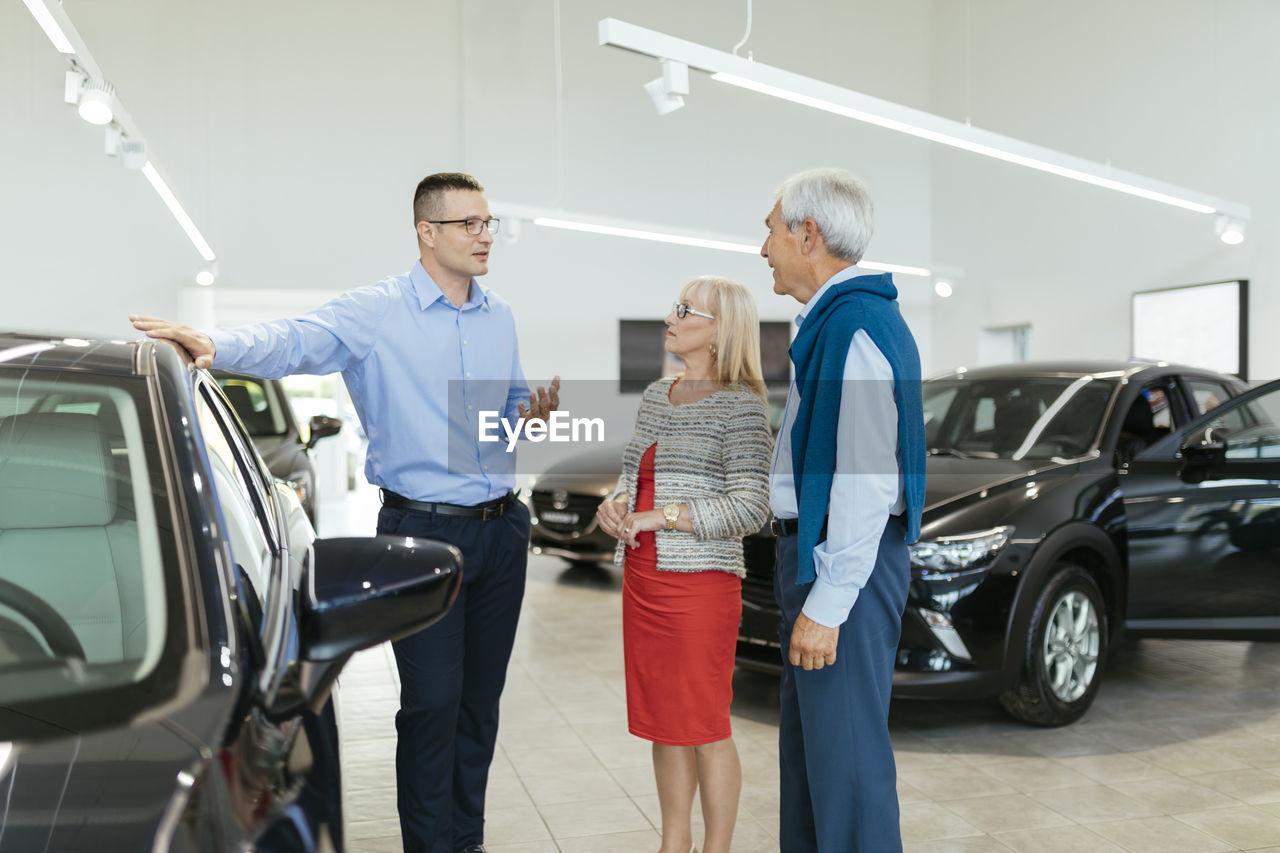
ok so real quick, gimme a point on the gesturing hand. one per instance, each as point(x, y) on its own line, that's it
point(542, 402)
point(198, 344)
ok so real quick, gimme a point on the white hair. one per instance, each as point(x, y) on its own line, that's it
point(835, 199)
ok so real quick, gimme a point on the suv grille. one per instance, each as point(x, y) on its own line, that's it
point(578, 514)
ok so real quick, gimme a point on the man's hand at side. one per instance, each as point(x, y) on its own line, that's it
point(198, 344)
point(813, 646)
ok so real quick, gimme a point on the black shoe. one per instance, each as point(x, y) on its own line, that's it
point(474, 848)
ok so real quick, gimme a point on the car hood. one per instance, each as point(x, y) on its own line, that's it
point(104, 791)
point(587, 472)
point(950, 477)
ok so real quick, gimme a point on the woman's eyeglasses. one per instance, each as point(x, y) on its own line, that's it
point(683, 310)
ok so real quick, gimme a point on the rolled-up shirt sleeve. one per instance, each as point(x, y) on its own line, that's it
point(326, 340)
point(865, 489)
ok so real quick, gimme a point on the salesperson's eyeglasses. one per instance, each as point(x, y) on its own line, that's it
point(473, 226)
point(682, 310)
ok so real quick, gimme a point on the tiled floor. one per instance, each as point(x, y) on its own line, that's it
point(1181, 752)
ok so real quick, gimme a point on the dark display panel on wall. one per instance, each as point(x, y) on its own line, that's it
point(642, 358)
point(1203, 325)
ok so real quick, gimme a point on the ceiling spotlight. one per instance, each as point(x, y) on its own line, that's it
point(207, 274)
point(133, 153)
point(1229, 230)
point(96, 102)
point(942, 288)
point(667, 92)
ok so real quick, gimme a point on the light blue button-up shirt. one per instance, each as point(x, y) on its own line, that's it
point(419, 370)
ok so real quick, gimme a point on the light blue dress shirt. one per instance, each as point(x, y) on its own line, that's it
point(419, 371)
point(863, 494)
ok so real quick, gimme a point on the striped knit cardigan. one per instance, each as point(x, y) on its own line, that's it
point(713, 455)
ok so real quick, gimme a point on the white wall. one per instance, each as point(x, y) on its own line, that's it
point(1184, 91)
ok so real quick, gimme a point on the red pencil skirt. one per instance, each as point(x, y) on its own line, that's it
point(679, 634)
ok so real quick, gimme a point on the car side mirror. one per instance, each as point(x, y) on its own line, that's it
point(322, 426)
point(357, 593)
point(1203, 451)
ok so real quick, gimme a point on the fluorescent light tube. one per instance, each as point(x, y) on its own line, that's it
point(954, 141)
point(171, 202)
point(637, 234)
point(690, 240)
point(51, 29)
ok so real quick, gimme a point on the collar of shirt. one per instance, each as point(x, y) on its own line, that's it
point(430, 293)
point(843, 275)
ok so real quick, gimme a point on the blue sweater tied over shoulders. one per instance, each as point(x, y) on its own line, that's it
point(819, 351)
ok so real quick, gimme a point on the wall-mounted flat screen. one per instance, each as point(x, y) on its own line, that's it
point(1203, 325)
point(642, 358)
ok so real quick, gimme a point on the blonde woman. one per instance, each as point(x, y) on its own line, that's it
point(694, 482)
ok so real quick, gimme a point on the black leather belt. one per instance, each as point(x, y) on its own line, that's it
point(484, 511)
point(786, 526)
point(791, 526)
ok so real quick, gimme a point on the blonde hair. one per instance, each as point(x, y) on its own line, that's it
point(737, 341)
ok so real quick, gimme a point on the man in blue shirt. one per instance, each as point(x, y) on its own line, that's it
point(423, 355)
point(846, 492)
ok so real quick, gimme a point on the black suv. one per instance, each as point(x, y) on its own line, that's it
point(1067, 502)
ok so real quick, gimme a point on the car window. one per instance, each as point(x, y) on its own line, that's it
point(241, 500)
point(1207, 396)
point(1015, 418)
point(82, 571)
point(257, 402)
point(1251, 430)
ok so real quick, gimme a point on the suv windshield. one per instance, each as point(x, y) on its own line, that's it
point(257, 402)
point(1030, 417)
point(82, 588)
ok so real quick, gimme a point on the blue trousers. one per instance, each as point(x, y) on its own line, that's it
point(451, 677)
point(839, 781)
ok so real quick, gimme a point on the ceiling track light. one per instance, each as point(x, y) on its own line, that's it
point(207, 274)
point(779, 83)
point(95, 99)
point(97, 102)
point(1229, 230)
point(667, 91)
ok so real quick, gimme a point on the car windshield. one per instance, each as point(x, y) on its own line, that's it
point(82, 591)
point(1033, 417)
point(257, 402)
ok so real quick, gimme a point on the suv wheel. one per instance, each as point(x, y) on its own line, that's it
point(1065, 651)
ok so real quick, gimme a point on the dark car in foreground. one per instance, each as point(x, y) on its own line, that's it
point(263, 408)
point(170, 627)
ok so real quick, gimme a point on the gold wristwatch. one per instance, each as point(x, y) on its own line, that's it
point(671, 512)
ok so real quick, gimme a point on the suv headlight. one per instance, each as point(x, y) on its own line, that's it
point(300, 480)
point(960, 553)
